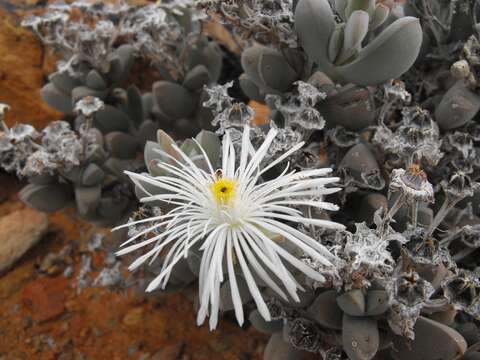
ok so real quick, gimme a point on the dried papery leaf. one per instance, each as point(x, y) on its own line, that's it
point(325, 310)
point(360, 337)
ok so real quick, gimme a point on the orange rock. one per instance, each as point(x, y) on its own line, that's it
point(19, 231)
point(22, 74)
point(45, 298)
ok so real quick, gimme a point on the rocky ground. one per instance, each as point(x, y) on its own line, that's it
point(59, 284)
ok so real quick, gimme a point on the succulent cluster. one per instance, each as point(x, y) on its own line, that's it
point(387, 95)
point(109, 120)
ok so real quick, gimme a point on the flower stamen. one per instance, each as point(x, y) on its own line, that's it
point(223, 190)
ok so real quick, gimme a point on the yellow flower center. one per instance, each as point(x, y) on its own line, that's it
point(223, 190)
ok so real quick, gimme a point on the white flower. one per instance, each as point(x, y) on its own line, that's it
point(235, 217)
point(88, 106)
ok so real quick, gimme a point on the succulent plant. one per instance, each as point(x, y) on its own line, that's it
point(177, 104)
point(386, 95)
point(338, 49)
point(83, 168)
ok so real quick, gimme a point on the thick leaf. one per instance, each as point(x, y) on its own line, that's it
point(212, 146)
point(111, 119)
point(359, 159)
point(340, 6)
point(377, 302)
point(135, 105)
point(112, 208)
point(196, 78)
point(325, 310)
point(150, 153)
point(275, 71)
point(87, 198)
point(336, 42)
point(83, 91)
point(92, 175)
point(173, 99)
point(355, 31)
point(389, 55)
point(64, 82)
point(56, 99)
point(181, 273)
point(226, 303)
point(355, 5)
point(46, 198)
point(266, 327)
point(314, 23)
point(95, 80)
point(379, 16)
point(122, 61)
point(147, 132)
point(121, 145)
point(433, 341)
point(352, 302)
point(250, 63)
point(352, 107)
point(458, 106)
point(213, 59)
point(360, 337)
point(250, 89)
